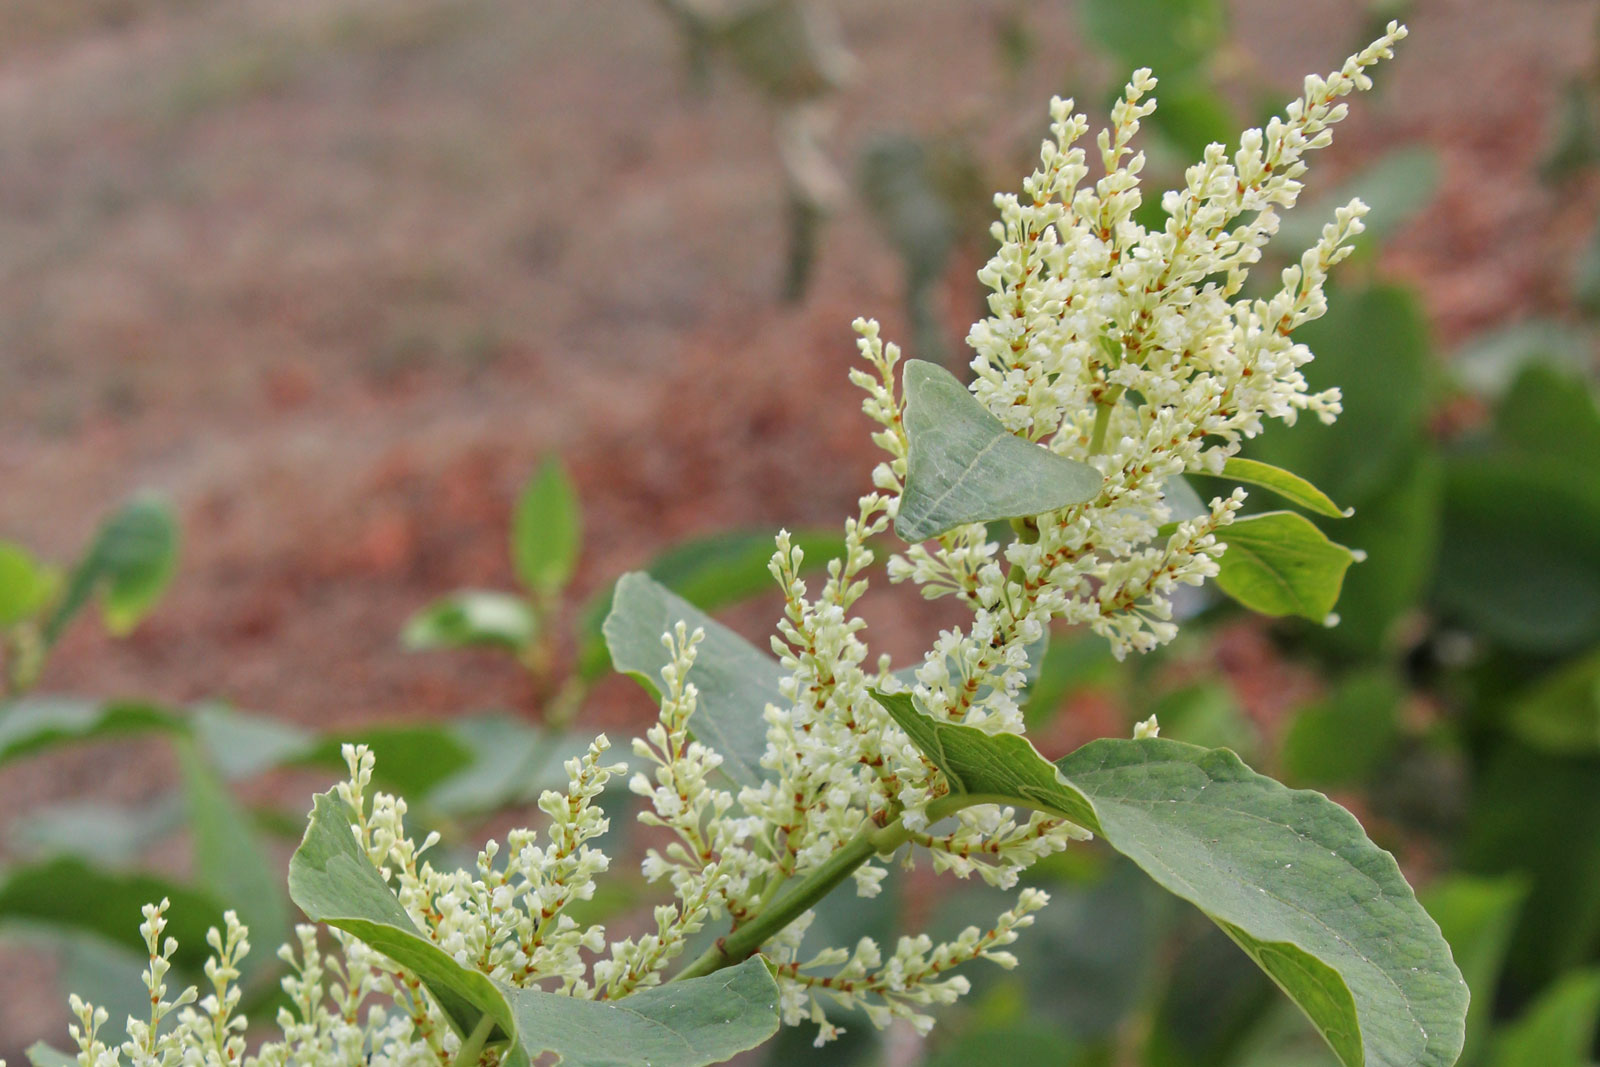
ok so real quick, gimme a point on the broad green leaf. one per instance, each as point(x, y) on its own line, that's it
point(130, 562)
point(711, 572)
point(1288, 874)
point(109, 836)
point(1373, 344)
point(240, 744)
point(1561, 712)
point(735, 679)
point(67, 893)
point(473, 617)
point(40, 722)
point(1551, 413)
point(26, 585)
point(411, 759)
point(1476, 916)
point(1558, 1030)
point(1345, 738)
point(546, 530)
point(1293, 488)
point(964, 466)
point(1279, 563)
point(1519, 552)
point(228, 854)
point(682, 1024)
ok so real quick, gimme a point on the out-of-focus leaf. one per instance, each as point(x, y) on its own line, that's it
point(1213, 998)
point(1205, 714)
point(1561, 712)
point(1558, 1030)
point(787, 49)
point(106, 975)
point(511, 762)
point(228, 853)
point(1477, 916)
point(1552, 415)
point(964, 466)
point(1586, 277)
point(546, 531)
point(43, 1055)
point(130, 562)
point(1395, 187)
point(1519, 552)
point(1192, 115)
point(98, 833)
point(1289, 875)
point(1279, 563)
point(40, 722)
point(1070, 662)
point(1171, 36)
point(1345, 738)
point(1022, 1042)
point(710, 572)
point(411, 760)
point(240, 744)
point(735, 679)
point(473, 618)
point(1491, 362)
point(1575, 143)
point(1182, 500)
point(1536, 817)
point(1373, 345)
point(70, 894)
point(26, 584)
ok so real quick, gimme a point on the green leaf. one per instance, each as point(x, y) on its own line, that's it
point(711, 572)
point(1288, 874)
point(240, 744)
point(411, 759)
point(1345, 738)
point(1561, 712)
point(42, 1055)
point(735, 679)
point(1279, 563)
point(964, 466)
point(546, 530)
point(110, 836)
point(1395, 188)
point(683, 1024)
point(1287, 484)
point(1492, 360)
point(1558, 1030)
point(1551, 413)
point(42, 722)
point(228, 853)
point(473, 618)
point(131, 562)
point(1172, 36)
point(68, 893)
point(1477, 916)
point(26, 585)
point(511, 762)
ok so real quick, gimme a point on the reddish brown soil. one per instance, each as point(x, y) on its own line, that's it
point(333, 274)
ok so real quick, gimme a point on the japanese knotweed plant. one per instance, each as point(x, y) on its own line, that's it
point(1115, 360)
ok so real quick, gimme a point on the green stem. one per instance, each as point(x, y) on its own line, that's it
point(472, 1048)
point(748, 939)
point(1102, 419)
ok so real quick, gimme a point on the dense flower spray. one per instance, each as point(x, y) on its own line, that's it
point(1134, 350)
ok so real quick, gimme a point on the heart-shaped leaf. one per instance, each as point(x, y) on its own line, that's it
point(1287, 874)
point(736, 680)
point(964, 466)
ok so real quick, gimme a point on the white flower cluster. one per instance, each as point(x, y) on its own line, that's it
point(1128, 348)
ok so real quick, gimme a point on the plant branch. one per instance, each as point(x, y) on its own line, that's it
point(472, 1046)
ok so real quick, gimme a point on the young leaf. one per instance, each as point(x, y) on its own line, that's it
point(26, 585)
point(1287, 484)
point(1288, 874)
point(1279, 563)
point(736, 680)
point(545, 530)
point(683, 1024)
point(964, 466)
point(473, 617)
point(131, 561)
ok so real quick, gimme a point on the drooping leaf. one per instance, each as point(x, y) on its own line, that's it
point(736, 680)
point(68, 893)
point(470, 618)
point(682, 1024)
point(130, 562)
point(40, 722)
point(710, 572)
point(229, 856)
point(546, 530)
point(1293, 488)
point(1289, 875)
point(1561, 712)
point(26, 584)
point(1476, 916)
point(1558, 1030)
point(1279, 563)
point(964, 466)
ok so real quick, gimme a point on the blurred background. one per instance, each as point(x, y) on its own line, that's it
point(333, 278)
